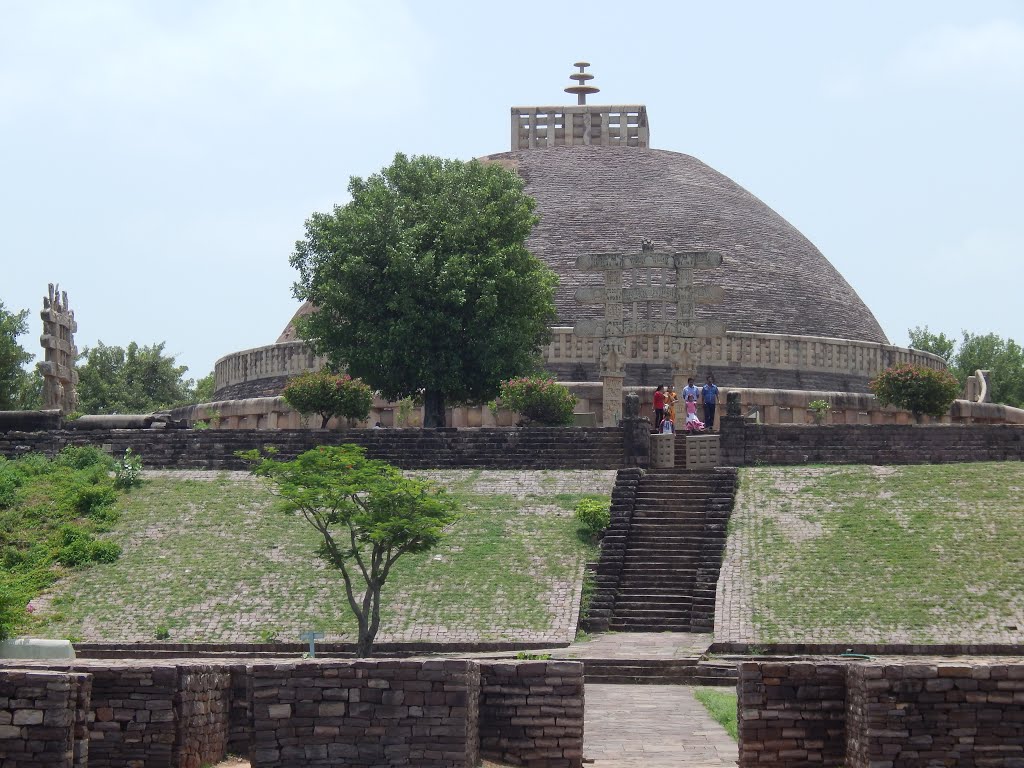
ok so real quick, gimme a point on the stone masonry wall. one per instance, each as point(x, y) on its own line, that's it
point(882, 714)
point(943, 713)
point(365, 713)
point(541, 448)
point(791, 714)
point(531, 713)
point(744, 444)
point(202, 706)
point(43, 719)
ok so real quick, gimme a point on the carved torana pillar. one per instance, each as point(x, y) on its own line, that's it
point(60, 379)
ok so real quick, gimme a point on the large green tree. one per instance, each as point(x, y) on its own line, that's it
point(13, 377)
point(130, 380)
point(422, 284)
point(989, 351)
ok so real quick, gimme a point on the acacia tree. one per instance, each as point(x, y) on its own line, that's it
point(423, 283)
point(367, 515)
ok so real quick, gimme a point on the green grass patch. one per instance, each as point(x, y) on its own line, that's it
point(212, 560)
point(51, 513)
point(721, 705)
point(904, 554)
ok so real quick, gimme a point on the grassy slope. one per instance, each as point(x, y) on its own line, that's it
point(213, 561)
point(899, 554)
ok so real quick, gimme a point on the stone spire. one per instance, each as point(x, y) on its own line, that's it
point(620, 125)
point(581, 89)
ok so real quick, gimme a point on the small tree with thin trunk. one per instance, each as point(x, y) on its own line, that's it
point(367, 515)
point(329, 394)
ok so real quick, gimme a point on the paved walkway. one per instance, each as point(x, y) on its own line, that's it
point(637, 645)
point(652, 726)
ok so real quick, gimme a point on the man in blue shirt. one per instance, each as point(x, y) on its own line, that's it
point(690, 389)
point(709, 394)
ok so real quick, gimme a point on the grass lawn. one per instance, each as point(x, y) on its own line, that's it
point(920, 554)
point(721, 705)
point(212, 560)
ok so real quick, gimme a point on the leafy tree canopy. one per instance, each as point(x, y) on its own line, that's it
point(133, 380)
point(423, 282)
point(13, 377)
point(367, 515)
point(1003, 357)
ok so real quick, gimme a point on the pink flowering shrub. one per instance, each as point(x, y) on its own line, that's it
point(329, 394)
point(921, 390)
point(539, 400)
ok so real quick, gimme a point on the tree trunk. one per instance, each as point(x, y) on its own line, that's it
point(323, 424)
point(433, 409)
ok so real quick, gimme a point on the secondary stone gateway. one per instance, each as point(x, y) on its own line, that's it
point(657, 300)
point(60, 379)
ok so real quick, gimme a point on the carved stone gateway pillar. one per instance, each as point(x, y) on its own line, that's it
point(60, 379)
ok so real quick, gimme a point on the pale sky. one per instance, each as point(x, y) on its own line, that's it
point(159, 159)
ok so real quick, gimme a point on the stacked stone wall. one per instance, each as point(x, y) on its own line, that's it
point(745, 444)
point(792, 714)
point(203, 708)
point(531, 713)
point(541, 448)
point(882, 714)
point(43, 719)
point(365, 713)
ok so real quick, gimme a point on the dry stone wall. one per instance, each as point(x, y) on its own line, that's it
point(531, 713)
point(365, 713)
point(744, 444)
point(43, 719)
point(541, 448)
point(882, 714)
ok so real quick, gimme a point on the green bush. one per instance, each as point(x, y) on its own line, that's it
point(10, 484)
point(921, 390)
point(539, 400)
point(83, 456)
point(329, 394)
point(128, 472)
point(90, 499)
point(593, 516)
point(79, 548)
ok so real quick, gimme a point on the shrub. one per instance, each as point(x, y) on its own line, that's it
point(128, 472)
point(818, 410)
point(539, 400)
point(593, 516)
point(78, 548)
point(921, 390)
point(10, 483)
point(90, 499)
point(83, 456)
point(329, 394)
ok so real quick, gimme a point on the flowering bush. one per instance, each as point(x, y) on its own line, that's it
point(329, 394)
point(128, 472)
point(919, 389)
point(539, 400)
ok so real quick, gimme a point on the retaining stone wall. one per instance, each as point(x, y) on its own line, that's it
point(792, 714)
point(365, 713)
point(43, 719)
point(744, 444)
point(882, 714)
point(540, 448)
point(531, 713)
point(202, 706)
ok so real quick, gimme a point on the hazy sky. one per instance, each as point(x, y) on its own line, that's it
point(159, 159)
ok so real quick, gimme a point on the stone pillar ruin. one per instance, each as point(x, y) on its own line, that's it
point(60, 379)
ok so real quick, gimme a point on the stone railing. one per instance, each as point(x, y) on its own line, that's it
point(239, 371)
point(862, 359)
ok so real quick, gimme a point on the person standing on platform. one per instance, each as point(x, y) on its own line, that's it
point(670, 403)
point(659, 407)
point(709, 395)
point(690, 389)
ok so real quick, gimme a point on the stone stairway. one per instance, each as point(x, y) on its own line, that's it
point(688, 671)
point(662, 554)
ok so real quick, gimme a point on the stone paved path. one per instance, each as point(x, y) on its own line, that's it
point(652, 726)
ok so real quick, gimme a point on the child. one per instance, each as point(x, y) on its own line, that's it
point(693, 424)
point(668, 426)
